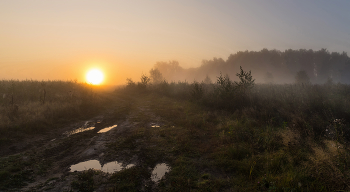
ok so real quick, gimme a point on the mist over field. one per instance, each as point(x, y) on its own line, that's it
point(267, 66)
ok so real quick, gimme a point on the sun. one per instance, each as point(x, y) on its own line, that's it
point(94, 76)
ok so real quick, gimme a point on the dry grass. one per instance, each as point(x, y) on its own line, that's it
point(34, 107)
point(289, 137)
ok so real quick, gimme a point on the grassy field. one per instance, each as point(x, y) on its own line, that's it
point(221, 136)
point(215, 137)
point(276, 143)
point(34, 107)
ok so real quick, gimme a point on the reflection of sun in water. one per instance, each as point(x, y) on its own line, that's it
point(94, 76)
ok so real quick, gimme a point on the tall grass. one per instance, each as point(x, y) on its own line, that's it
point(37, 106)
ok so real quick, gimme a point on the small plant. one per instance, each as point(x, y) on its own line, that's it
point(284, 124)
point(42, 93)
point(197, 91)
point(85, 181)
point(144, 81)
point(164, 87)
point(225, 87)
point(246, 80)
point(130, 83)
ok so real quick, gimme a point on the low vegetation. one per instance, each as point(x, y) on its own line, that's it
point(222, 136)
point(251, 137)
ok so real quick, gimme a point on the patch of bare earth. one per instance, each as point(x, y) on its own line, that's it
point(60, 151)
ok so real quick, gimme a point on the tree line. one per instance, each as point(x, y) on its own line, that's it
point(267, 66)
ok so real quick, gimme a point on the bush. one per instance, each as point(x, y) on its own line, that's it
point(197, 91)
point(225, 88)
point(144, 82)
point(130, 83)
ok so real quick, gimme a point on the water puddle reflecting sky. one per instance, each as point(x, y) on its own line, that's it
point(88, 125)
point(110, 167)
point(107, 129)
point(79, 130)
point(155, 125)
point(159, 172)
point(84, 128)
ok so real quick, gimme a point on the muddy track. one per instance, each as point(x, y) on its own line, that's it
point(59, 150)
point(66, 150)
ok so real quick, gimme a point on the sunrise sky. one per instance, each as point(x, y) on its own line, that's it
point(63, 39)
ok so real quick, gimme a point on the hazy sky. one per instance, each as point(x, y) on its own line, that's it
point(62, 39)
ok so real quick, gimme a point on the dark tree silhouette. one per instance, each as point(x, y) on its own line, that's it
point(269, 78)
point(246, 80)
point(282, 65)
point(302, 78)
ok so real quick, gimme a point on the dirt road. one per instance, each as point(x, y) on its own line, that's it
point(107, 143)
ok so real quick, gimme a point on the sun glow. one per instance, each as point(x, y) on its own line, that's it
point(94, 77)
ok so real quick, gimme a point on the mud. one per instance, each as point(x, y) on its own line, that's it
point(87, 141)
point(80, 146)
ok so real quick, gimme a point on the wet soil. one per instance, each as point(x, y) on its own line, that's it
point(82, 141)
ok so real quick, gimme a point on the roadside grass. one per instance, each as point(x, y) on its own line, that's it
point(130, 179)
point(85, 181)
point(34, 107)
point(14, 172)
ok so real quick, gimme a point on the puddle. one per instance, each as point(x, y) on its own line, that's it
point(92, 164)
point(88, 125)
point(154, 125)
point(107, 129)
point(159, 172)
point(110, 167)
point(79, 130)
point(114, 166)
